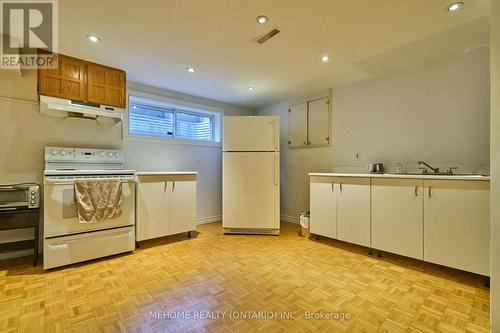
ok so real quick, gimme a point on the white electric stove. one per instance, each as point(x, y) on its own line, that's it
point(66, 240)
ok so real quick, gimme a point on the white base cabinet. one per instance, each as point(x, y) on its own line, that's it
point(166, 204)
point(457, 224)
point(443, 221)
point(397, 216)
point(353, 210)
point(340, 208)
point(323, 206)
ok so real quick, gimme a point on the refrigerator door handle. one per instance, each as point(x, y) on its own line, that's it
point(276, 134)
point(276, 169)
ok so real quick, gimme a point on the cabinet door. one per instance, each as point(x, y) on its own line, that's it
point(353, 206)
point(297, 126)
point(106, 85)
point(457, 224)
point(397, 216)
point(323, 206)
point(183, 204)
point(319, 122)
point(67, 81)
point(153, 209)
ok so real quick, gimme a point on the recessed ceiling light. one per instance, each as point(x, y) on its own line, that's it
point(93, 39)
point(455, 6)
point(325, 58)
point(191, 69)
point(262, 19)
point(250, 88)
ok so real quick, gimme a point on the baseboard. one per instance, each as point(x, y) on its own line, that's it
point(209, 219)
point(244, 231)
point(291, 219)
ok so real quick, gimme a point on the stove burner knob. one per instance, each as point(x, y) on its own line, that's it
point(54, 152)
point(117, 154)
point(63, 152)
point(102, 154)
point(110, 154)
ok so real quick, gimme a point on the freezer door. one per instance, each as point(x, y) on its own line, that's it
point(259, 133)
point(251, 190)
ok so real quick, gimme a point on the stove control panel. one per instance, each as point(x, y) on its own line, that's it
point(76, 155)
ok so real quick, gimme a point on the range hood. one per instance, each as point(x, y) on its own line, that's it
point(64, 108)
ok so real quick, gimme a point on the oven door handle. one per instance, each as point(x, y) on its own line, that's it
point(72, 182)
point(12, 188)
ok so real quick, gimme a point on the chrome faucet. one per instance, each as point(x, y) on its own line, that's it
point(435, 170)
point(424, 170)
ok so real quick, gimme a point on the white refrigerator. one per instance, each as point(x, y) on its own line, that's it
point(251, 175)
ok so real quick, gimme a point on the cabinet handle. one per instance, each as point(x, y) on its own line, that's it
point(333, 188)
point(173, 186)
point(340, 187)
point(165, 188)
point(430, 193)
point(416, 191)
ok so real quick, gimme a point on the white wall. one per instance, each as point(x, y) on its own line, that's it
point(148, 155)
point(438, 112)
point(495, 164)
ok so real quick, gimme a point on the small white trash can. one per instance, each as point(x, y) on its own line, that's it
point(304, 224)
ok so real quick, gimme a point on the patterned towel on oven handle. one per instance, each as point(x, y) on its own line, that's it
point(98, 200)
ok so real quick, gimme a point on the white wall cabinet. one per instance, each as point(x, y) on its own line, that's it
point(353, 207)
point(309, 124)
point(457, 224)
point(318, 124)
point(166, 204)
point(297, 126)
point(323, 206)
point(397, 216)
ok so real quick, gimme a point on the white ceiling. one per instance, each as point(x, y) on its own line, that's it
point(155, 40)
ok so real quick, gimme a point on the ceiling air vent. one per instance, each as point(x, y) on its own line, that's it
point(266, 37)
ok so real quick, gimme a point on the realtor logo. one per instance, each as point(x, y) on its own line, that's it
point(29, 34)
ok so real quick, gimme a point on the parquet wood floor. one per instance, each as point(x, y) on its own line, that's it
point(238, 273)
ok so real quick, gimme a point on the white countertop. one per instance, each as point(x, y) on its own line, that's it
point(165, 173)
point(392, 175)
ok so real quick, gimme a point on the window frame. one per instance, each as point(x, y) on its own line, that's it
point(175, 105)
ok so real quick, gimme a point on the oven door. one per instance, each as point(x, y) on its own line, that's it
point(60, 212)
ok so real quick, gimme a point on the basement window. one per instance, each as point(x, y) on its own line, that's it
point(161, 119)
point(148, 120)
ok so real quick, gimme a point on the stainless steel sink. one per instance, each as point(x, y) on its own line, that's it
point(438, 174)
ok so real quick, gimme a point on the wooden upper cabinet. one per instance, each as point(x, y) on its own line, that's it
point(83, 81)
point(66, 81)
point(106, 85)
